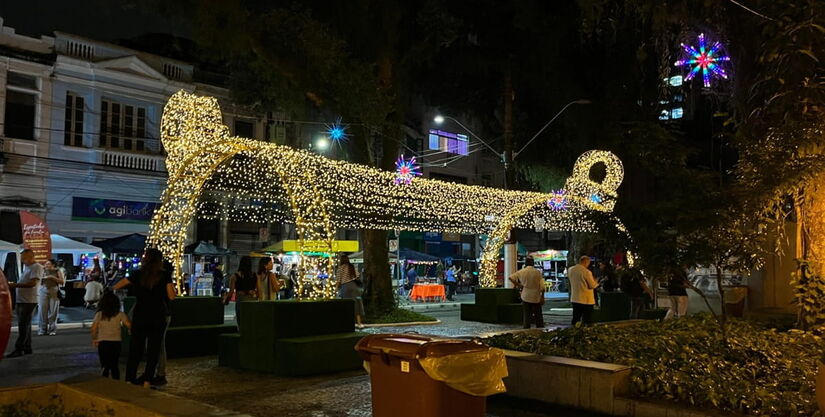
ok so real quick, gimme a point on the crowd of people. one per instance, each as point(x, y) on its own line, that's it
point(585, 288)
point(153, 288)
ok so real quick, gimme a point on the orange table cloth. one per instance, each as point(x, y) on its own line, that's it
point(426, 291)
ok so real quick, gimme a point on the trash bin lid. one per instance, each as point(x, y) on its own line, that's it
point(399, 345)
point(441, 348)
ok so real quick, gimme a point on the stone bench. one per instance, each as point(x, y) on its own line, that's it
point(588, 385)
point(570, 382)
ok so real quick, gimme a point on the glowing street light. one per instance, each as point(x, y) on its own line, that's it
point(322, 144)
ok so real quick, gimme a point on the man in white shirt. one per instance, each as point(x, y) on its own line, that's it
point(27, 288)
point(582, 285)
point(531, 284)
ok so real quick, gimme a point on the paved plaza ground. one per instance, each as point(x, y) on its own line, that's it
point(345, 394)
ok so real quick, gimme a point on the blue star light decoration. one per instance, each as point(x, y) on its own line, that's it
point(337, 132)
point(558, 201)
point(709, 61)
point(406, 170)
point(596, 198)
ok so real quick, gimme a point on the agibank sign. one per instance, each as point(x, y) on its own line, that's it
point(120, 211)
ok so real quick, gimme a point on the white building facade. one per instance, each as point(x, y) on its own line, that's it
point(81, 133)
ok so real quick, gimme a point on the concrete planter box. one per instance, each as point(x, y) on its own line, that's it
point(107, 397)
point(593, 386)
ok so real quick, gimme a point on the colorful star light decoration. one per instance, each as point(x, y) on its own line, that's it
point(706, 60)
point(406, 170)
point(558, 201)
point(337, 132)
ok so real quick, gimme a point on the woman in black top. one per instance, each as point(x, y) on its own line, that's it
point(677, 286)
point(153, 288)
point(242, 284)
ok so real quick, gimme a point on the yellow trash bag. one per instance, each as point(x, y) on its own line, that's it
point(474, 372)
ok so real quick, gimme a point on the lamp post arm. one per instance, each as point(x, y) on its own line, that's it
point(474, 135)
point(545, 126)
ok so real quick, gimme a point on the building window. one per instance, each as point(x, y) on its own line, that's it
point(455, 143)
point(21, 105)
point(73, 125)
point(244, 128)
point(122, 126)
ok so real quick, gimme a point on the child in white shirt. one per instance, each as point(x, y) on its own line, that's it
point(106, 334)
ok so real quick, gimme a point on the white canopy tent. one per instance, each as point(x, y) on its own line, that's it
point(62, 244)
point(5, 249)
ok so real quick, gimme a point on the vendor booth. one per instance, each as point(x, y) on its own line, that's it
point(62, 245)
point(125, 251)
point(81, 255)
point(553, 264)
point(7, 248)
point(199, 260)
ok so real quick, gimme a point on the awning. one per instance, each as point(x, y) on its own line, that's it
point(134, 243)
point(312, 246)
point(5, 249)
point(62, 244)
point(205, 249)
point(8, 247)
point(358, 257)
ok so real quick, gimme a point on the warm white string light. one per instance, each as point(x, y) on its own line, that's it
point(217, 176)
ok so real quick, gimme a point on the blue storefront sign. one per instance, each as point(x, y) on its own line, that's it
point(119, 211)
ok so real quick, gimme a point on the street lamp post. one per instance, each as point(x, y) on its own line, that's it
point(510, 247)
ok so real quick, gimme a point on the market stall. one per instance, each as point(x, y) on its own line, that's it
point(5, 249)
point(199, 260)
point(553, 264)
point(125, 251)
point(82, 255)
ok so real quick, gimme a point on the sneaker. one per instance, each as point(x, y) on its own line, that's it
point(41, 333)
point(15, 354)
point(52, 333)
point(159, 381)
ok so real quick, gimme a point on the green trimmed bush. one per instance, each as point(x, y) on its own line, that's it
point(399, 315)
point(496, 296)
point(314, 355)
point(229, 350)
point(761, 372)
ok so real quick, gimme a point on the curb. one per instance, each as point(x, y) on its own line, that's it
point(410, 323)
point(87, 324)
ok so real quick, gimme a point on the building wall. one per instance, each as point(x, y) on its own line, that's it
point(770, 287)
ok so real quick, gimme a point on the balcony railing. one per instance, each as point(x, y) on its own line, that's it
point(137, 161)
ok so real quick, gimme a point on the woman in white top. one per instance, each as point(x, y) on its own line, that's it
point(349, 286)
point(48, 300)
point(106, 334)
point(268, 284)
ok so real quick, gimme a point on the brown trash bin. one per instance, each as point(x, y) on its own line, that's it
point(401, 387)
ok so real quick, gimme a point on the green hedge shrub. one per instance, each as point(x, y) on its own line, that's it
point(760, 372)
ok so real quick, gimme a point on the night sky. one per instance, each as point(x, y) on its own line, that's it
point(98, 19)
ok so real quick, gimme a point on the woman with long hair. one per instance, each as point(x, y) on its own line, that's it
point(48, 301)
point(96, 273)
point(153, 288)
point(268, 284)
point(243, 285)
point(349, 286)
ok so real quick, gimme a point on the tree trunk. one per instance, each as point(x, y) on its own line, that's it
point(508, 129)
point(723, 318)
point(378, 298)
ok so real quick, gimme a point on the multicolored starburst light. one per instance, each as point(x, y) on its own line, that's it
point(709, 61)
point(558, 201)
point(406, 170)
point(337, 132)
